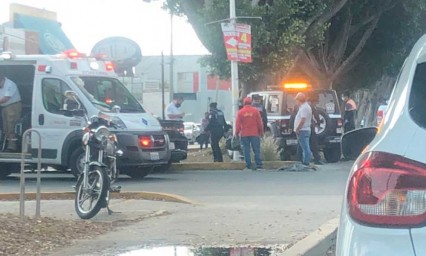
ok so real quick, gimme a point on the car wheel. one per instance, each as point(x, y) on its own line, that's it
point(332, 154)
point(77, 161)
point(138, 173)
point(285, 155)
point(4, 173)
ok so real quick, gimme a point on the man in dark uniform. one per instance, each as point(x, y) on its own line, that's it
point(313, 101)
point(217, 127)
point(257, 103)
point(350, 112)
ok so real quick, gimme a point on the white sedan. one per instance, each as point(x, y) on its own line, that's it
point(191, 131)
point(384, 208)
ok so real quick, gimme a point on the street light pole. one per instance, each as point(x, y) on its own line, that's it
point(171, 58)
point(234, 76)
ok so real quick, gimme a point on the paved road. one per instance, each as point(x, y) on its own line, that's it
point(329, 180)
point(234, 207)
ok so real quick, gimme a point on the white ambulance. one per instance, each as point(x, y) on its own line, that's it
point(42, 81)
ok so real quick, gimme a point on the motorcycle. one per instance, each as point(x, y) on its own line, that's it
point(100, 172)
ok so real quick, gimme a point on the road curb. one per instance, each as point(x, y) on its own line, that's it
point(141, 195)
point(317, 243)
point(267, 165)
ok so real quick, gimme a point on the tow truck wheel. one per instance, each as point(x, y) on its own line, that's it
point(77, 161)
point(138, 173)
point(332, 154)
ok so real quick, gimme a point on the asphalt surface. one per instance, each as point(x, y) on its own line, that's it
point(207, 185)
point(251, 208)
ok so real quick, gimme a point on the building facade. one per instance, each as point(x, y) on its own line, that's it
point(190, 80)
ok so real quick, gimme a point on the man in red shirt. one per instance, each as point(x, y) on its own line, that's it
point(249, 126)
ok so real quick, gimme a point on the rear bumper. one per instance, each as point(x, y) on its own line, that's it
point(354, 239)
point(134, 155)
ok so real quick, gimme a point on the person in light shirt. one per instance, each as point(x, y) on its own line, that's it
point(11, 108)
point(302, 127)
point(173, 109)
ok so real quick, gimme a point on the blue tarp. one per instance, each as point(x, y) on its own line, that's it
point(52, 39)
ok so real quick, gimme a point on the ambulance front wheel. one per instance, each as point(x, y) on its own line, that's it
point(77, 161)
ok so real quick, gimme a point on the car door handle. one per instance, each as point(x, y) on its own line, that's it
point(41, 119)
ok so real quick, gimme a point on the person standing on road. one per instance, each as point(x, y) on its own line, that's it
point(315, 123)
point(257, 103)
point(11, 109)
point(205, 135)
point(217, 127)
point(249, 127)
point(302, 127)
point(350, 111)
point(173, 109)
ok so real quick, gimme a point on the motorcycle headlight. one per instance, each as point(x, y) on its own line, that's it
point(101, 133)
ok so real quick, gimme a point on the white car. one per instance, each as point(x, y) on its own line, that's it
point(384, 208)
point(191, 131)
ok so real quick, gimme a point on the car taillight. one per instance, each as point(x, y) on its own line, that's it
point(285, 126)
point(389, 190)
point(145, 141)
point(339, 122)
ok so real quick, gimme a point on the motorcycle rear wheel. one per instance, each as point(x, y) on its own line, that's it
point(89, 201)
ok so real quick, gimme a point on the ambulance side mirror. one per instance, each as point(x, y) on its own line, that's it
point(72, 106)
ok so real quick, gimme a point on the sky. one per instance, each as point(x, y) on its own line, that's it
point(86, 22)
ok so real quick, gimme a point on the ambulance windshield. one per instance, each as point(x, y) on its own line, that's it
point(106, 92)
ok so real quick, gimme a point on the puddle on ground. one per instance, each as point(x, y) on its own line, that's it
point(203, 251)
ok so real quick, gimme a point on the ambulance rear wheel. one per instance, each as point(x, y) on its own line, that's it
point(7, 169)
point(4, 174)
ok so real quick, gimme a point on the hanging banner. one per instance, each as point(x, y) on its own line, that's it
point(244, 42)
point(237, 39)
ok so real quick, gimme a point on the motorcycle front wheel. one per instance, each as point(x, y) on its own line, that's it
point(90, 200)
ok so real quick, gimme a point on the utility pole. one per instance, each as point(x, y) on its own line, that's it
point(162, 86)
point(171, 59)
point(234, 77)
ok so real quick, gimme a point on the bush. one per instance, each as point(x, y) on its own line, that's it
point(269, 149)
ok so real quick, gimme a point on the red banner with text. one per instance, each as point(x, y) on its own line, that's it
point(237, 38)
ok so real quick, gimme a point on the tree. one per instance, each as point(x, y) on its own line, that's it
point(324, 39)
point(362, 26)
point(275, 37)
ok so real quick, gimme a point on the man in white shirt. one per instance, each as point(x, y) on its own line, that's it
point(11, 108)
point(173, 109)
point(302, 126)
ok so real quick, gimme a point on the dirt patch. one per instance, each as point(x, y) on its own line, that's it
point(36, 237)
point(203, 156)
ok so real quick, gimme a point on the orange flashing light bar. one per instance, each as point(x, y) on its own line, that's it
point(300, 86)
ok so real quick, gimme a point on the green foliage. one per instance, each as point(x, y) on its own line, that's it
point(274, 38)
point(384, 53)
point(293, 25)
point(269, 149)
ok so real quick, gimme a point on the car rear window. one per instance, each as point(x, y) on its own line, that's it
point(327, 101)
